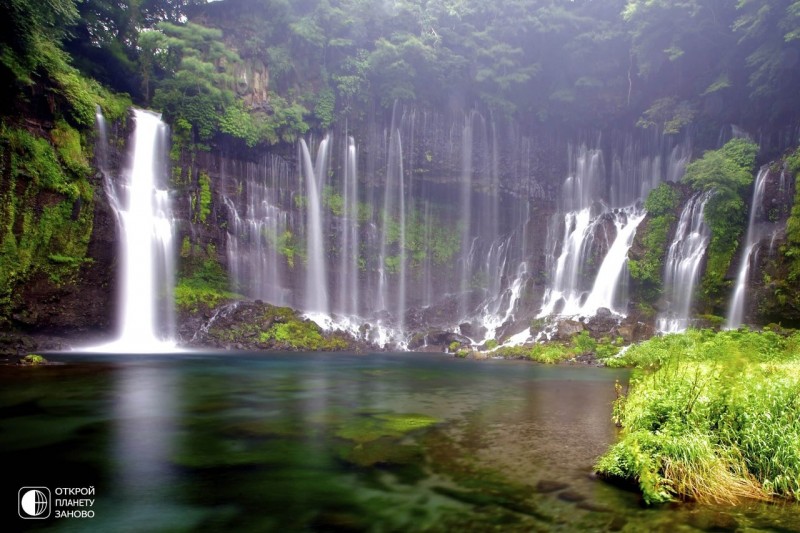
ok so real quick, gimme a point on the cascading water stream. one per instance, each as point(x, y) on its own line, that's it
point(253, 239)
point(612, 275)
point(146, 236)
point(682, 266)
point(756, 231)
point(348, 268)
point(316, 300)
point(587, 224)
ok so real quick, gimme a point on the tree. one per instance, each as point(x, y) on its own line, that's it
point(192, 62)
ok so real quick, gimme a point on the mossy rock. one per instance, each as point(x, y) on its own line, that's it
point(384, 451)
point(373, 427)
point(33, 359)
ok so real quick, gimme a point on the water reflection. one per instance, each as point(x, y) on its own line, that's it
point(145, 418)
point(324, 442)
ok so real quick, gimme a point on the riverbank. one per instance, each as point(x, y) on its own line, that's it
point(710, 416)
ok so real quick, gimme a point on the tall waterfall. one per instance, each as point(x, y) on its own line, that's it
point(593, 234)
point(421, 227)
point(682, 265)
point(146, 238)
point(257, 229)
point(348, 268)
point(316, 288)
point(757, 229)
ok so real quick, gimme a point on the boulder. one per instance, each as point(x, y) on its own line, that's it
point(566, 329)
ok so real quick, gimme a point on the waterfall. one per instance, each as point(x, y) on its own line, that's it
point(465, 207)
point(146, 234)
point(756, 231)
point(257, 229)
point(682, 265)
point(613, 275)
point(590, 271)
point(348, 267)
point(316, 289)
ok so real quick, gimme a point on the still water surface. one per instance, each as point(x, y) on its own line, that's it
point(330, 442)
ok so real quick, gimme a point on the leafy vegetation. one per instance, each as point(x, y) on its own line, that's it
point(661, 205)
point(46, 206)
point(793, 223)
point(727, 172)
point(578, 63)
point(710, 417)
point(203, 284)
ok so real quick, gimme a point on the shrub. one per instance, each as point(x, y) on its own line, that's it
point(710, 417)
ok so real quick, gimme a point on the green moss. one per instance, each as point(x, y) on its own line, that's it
point(333, 200)
point(371, 427)
point(792, 249)
point(46, 209)
point(204, 283)
point(33, 360)
point(298, 334)
point(646, 271)
point(204, 205)
point(287, 245)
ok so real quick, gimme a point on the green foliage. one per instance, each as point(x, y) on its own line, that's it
point(661, 204)
point(204, 205)
point(792, 250)
point(288, 246)
point(196, 88)
point(669, 115)
point(583, 344)
point(203, 284)
point(46, 210)
point(286, 122)
point(33, 359)
point(333, 200)
point(27, 26)
point(67, 141)
point(303, 335)
point(711, 417)
point(663, 200)
point(491, 344)
point(727, 172)
point(324, 110)
point(549, 353)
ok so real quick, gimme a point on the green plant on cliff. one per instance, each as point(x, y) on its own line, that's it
point(727, 172)
point(203, 283)
point(661, 204)
point(299, 334)
point(792, 250)
point(46, 210)
point(204, 197)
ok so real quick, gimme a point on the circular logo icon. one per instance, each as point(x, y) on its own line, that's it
point(34, 502)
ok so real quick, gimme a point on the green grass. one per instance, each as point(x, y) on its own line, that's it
point(710, 417)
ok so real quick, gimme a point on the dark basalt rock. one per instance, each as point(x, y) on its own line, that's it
point(257, 326)
point(436, 340)
point(568, 329)
point(604, 322)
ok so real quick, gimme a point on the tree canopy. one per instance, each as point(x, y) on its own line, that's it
point(660, 64)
